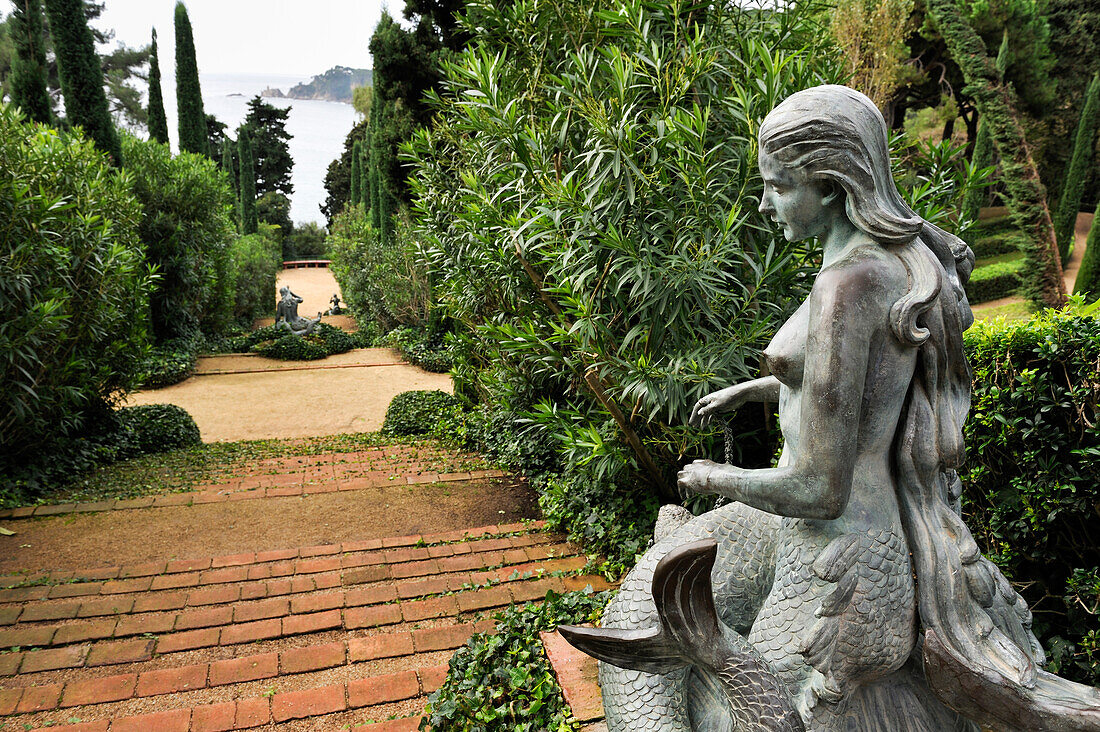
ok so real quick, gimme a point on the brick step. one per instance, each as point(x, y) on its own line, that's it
point(319, 702)
point(183, 573)
point(152, 612)
point(412, 464)
point(380, 606)
point(251, 489)
point(239, 669)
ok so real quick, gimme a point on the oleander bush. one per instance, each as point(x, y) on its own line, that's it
point(74, 290)
point(254, 264)
point(502, 682)
point(425, 346)
point(1032, 486)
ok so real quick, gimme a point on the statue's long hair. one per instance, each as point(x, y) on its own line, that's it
point(833, 133)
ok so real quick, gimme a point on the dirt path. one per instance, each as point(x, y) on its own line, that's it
point(267, 398)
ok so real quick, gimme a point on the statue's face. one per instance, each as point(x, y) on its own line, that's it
point(792, 200)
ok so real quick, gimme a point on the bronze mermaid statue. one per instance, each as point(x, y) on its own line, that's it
point(839, 591)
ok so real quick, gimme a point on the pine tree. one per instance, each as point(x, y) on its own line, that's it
point(192, 119)
point(1088, 277)
point(356, 161)
point(158, 122)
point(1083, 153)
point(248, 183)
point(1024, 192)
point(29, 90)
point(266, 125)
point(81, 75)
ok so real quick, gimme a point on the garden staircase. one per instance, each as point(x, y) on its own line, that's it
point(342, 636)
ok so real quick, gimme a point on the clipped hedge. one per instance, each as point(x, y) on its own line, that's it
point(275, 342)
point(419, 413)
point(168, 363)
point(1032, 486)
point(425, 347)
point(502, 682)
point(994, 281)
point(153, 428)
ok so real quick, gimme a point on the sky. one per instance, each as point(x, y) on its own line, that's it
point(283, 37)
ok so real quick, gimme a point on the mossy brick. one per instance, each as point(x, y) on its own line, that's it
point(133, 584)
point(383, 645)
point(217, 595)
point(55, 510)
point(498, 596)
point(115, 652)
point(75, 589)
point(8, 615)
point(316, 603)
point(52, 659)
point(434, 607)
point(366, 575)
point(374, 595)
point(98, 691)
point(113, 605)
point(175, 720)
point(204, 618)
point(415, 569)
point(251, 632)
point(214, 717)
point(371, 617)
point(54, 611)
point(271, 608)
point(308, 703)
point(188, 640)
point(432, 677)
point(247, 668)
point(85, 631)
point(39, 699)
point(10, 662)
point(26, 637)
point(442, 638)
point(312, 658)
point(376, 690)
point(25, 594)
point(172, 680)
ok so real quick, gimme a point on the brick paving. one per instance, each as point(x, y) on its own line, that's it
point(340, 634)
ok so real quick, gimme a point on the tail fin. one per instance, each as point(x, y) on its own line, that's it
point(689, 630)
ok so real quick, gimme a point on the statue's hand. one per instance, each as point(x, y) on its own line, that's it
point(696, 478)
point(723, 400)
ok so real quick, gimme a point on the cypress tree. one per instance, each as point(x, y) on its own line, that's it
point(228, 167)
point(158, 122)
point(1088, 277)
point(1074, 188)
point(192, 119)
point(29, 90)
point(81, 75)
point(982, 156)
point(248, 183)
point(364, 175)
point(356, 161)
point(1025, 194)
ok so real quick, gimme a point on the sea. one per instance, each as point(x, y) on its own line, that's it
point(317, 129)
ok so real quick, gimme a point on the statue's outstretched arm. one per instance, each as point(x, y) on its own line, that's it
point(765, 389)
point(846, 304)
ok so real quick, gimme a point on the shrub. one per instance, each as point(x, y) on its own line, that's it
point(186, 227)
point(275, 342)
point(419, 412)
point(1088, 277)
point(273, 208)
point(154, 428)
point(168, 363)
point(254, 264)
point(1031, 489)
point(423, 347)
point(994, 281)
point(502, 682)
point(74, 292)
point(383, 284)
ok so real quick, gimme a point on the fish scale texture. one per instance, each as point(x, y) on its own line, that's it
point(635, 701)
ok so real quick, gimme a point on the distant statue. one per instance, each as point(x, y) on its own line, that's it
point(840, 590)
point(286, 314)
point(335, 309)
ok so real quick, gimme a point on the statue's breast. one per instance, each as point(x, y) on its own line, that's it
point(786, 354)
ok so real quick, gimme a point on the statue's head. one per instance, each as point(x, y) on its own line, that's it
point(283, 291)
point(833, 134)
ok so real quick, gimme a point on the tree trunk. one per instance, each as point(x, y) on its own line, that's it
point(1025, 194)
